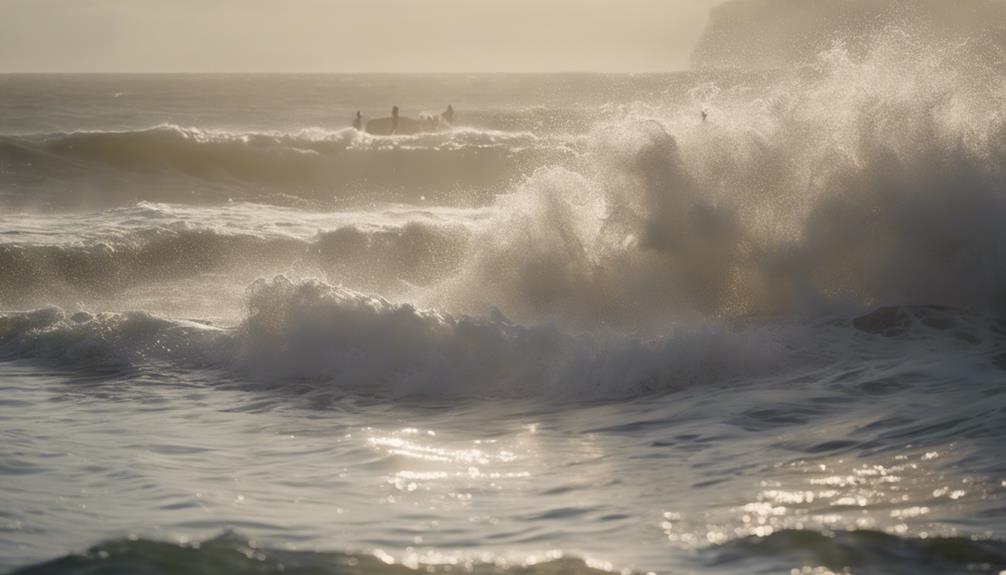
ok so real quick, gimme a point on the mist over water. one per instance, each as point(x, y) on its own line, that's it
point(585, 319)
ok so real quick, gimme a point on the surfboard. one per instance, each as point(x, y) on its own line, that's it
point(406, 126)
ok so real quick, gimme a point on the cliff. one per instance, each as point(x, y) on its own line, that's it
point(781, 33)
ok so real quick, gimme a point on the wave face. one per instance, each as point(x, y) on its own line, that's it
point(231, 554)
point(173, 163)
point(388, 260)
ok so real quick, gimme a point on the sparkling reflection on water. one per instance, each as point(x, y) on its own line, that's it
point(640, 484)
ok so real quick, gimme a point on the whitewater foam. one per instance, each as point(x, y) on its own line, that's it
point(334, 338)
point(862, 183)
point(312, 331)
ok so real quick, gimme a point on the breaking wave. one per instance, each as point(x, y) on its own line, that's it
point(855, 184)
point(310, 331)
point(336, 339)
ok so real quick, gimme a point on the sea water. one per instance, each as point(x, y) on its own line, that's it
point(582, 330)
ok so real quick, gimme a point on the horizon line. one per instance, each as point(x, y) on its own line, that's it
point(338, 73)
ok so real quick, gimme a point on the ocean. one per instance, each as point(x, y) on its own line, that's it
point(584, 330)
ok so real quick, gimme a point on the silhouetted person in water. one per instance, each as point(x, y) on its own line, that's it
point(394, 119)
point(449, 114)
point(705, 115)
point(358, 120)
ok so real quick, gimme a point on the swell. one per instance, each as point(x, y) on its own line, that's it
point(382, 260)
point(233, 554)
point(799, 551)
point(171, 163)
point(869, 551)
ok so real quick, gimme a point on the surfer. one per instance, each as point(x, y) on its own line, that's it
point(449, 114)
point(358, 121)
point(394, 119)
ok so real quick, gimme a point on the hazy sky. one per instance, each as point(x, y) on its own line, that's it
point(348, 35)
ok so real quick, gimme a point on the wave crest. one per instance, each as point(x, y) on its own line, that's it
point(799, 551)
point(385, 260)
point(335, 338)
point(102, 168)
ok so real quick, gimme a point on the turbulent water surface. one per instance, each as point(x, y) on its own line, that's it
point(583, 330)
